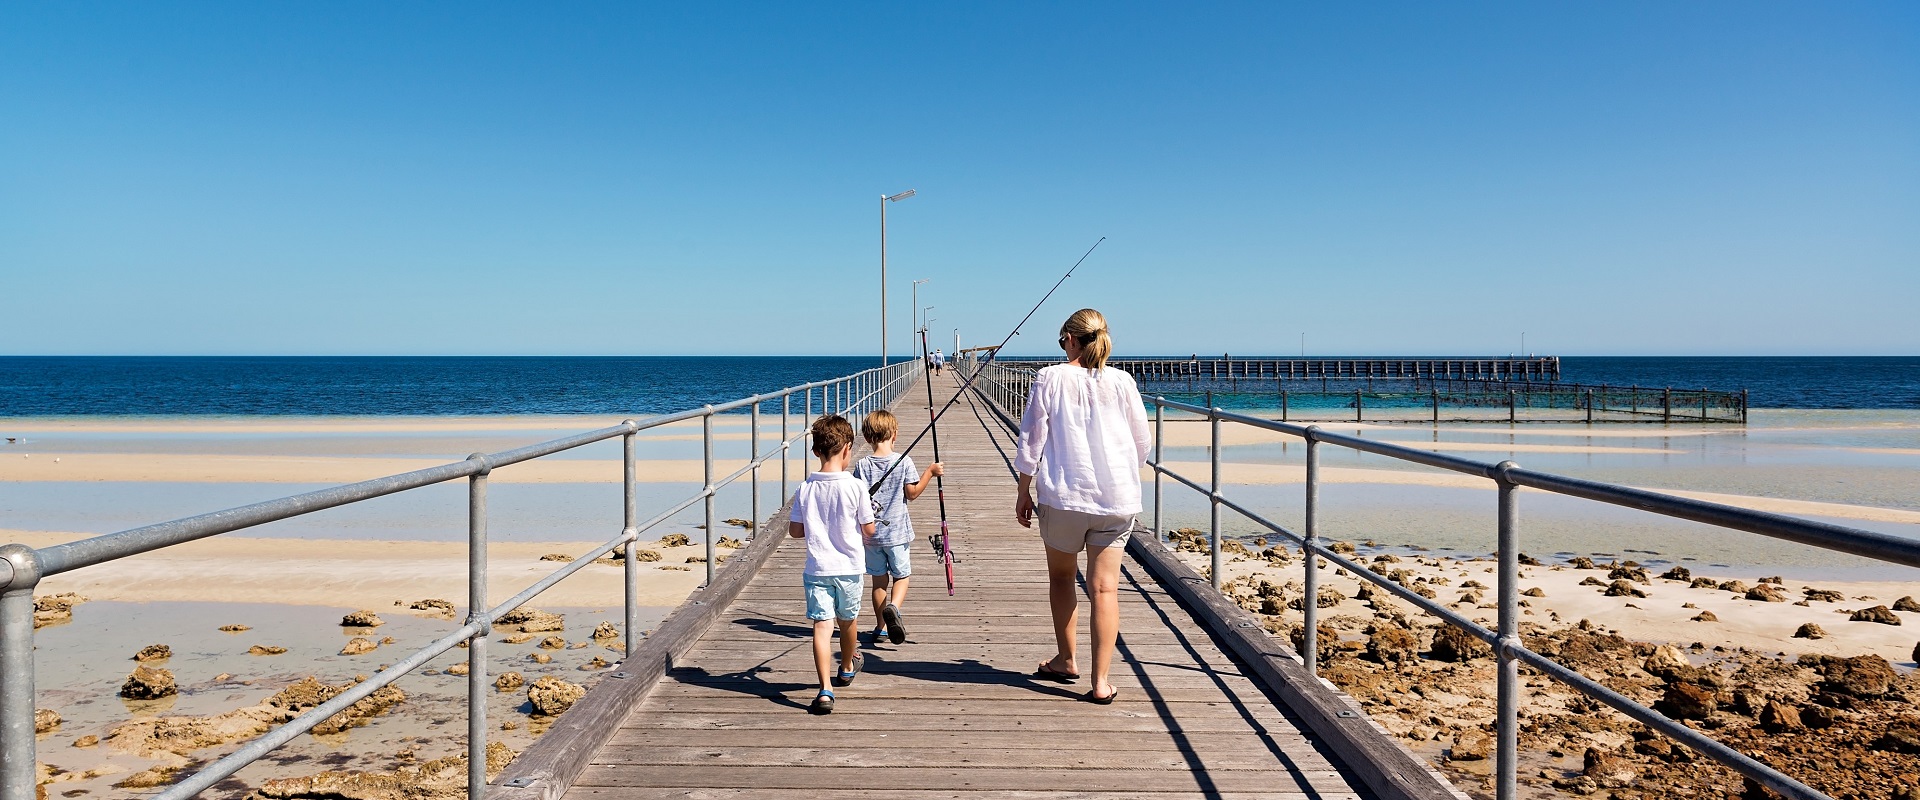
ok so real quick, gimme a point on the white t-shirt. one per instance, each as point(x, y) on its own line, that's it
point(1092, 429)
point(831, 507)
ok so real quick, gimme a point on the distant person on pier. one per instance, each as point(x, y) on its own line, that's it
point(939, 362)
point(1083, 439)
point(831, 511)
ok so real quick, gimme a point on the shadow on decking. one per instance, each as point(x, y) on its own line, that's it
point(1172, 619)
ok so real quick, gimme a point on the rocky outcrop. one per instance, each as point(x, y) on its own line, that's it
point(265, 650)
point(552, 697)
point(1706, 616)
point(1823, 595)
point(552, 643)
point(1686, 700)
point(154, 652)
point(1906, 604)
point(508, 681)
point(1808, 630)
point(358, 646)
point(1624, 588)
point(1453, 644)
point(236, 628)
point(148, 683)
point(433, 606)
point(1880, 614)
point(530, 620)
point(362, 619)
point(1393, 645)
point(675, 540)
point(54, 609)
point(1859, 676)
point(1667, 663)
point(157, 736)
point(605, 631)
point(729, 543)
point(439, 779)
point(1768, 593)
point(45, 719)
point(1677, 574)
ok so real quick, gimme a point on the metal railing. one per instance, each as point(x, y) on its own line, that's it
point(1008, 386)
point(22, 567)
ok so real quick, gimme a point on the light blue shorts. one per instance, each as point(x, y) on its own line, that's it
point(833, 596)
point(891, 559)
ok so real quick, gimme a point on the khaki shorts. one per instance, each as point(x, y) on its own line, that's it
point(1073, 531)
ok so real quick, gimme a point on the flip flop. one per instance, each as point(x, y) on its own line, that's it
point(822, 704)
point(896, 630)
point(1047, 671)
point(1101, 701)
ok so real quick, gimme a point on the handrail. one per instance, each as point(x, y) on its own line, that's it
point(22, 567)
point(1007, 389)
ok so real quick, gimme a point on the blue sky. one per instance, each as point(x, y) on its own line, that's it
point(1419, 178)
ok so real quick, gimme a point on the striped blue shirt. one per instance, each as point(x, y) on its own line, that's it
point(894, 526)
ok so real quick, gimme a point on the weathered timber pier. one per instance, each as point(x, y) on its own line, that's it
point(713, 704)
point(1227, 367)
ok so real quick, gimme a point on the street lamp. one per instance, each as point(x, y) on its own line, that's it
point(916, 300)
point(884, 200)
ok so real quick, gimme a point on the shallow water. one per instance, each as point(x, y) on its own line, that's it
point(1803, 455)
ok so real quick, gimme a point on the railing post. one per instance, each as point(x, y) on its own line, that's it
point(1743, 406)
point(1359, 414)
point(786, 442)
point(1589, 406)
point(477, 643)
point(1666, 405)
point(1159, 461)
point(630, 529)
point(706, 458)
point(1511, 418)
point(1213, 497)
point(1283, 405)
point(1310, 605)
point(1508, 689)
point(753, 441)
point(19, 574)
point(806, 424)
point(1436, 404)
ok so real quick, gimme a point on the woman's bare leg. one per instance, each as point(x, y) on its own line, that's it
point(1064, 597)
point(1103, 591)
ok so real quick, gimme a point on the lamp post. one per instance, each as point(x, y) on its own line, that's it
point(884, 200)
point(916, 303)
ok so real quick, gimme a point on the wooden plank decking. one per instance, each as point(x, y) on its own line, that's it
point(953, 711)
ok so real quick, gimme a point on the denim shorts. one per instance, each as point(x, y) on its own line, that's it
point(891, 559)
point(833, 597)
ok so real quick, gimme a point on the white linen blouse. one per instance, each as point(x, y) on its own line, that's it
point(1083, 438)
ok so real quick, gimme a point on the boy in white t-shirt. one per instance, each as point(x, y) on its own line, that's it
point(831, 511)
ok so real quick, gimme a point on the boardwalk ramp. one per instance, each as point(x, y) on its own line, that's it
point(713, 706)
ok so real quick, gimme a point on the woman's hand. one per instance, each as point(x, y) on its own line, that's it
point(1023, 508)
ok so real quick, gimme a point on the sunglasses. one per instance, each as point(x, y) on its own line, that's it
point(1063, 341)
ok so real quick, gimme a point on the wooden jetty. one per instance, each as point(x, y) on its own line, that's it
point(713, 704)
point(1232, 368)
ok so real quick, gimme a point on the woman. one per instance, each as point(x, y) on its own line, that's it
point(1083, 440)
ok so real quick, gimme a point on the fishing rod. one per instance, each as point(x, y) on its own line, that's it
point(945, 545)
point(995, 353)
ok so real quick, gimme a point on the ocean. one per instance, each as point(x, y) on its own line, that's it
point(38, 386)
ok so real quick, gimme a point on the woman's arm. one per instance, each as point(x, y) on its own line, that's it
point(1032, 444)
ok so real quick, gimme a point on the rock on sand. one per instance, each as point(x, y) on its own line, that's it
point(148, 683)
point(362, 619)
point(552, 697)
